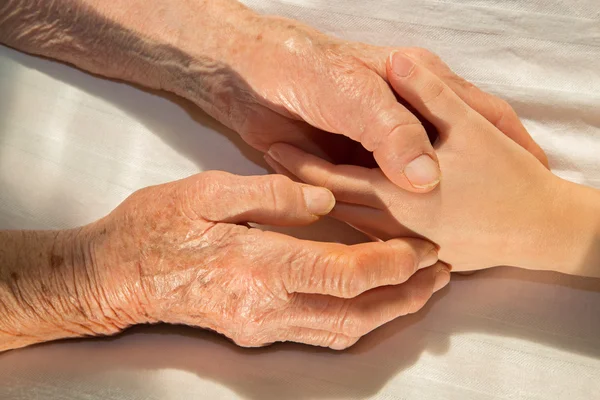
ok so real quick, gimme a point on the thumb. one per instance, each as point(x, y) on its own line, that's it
point(266, 199)
point(398, 140)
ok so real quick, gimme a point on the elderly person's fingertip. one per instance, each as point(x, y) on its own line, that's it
point(275, 166)
point(275, 150)
point(423, 172)
point(400, 64)
point(430, 258)
point(442, 277)
point(319, 201)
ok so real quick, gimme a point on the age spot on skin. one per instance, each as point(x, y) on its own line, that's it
point(56, 261)
point(14, 276)
point(45, 289)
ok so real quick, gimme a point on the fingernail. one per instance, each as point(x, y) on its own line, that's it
point(274, 154)
point(319, 201)
point(423, 172)
point(429, 259)
point(442, 278)
point(401, 65)
point(273, 164)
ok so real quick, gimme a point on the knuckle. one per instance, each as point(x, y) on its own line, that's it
point(342, 342)
point(503, 105)
point(393, 118)
point(435, 91)
point(277, 189)
point(357, 280)
point(278, 184)
point(352, 326)
point(456, 81)
point(409, 131)
point(250, 336)
point(417, 300)
point(410, 128)
point(212, 176)
point(141, 193)
point(505, 109)
point(248, 342)
point(212, 183)
point(353, 323)
point(407, 259)
point(501, 110)
point(209, 186)
point(328, 181)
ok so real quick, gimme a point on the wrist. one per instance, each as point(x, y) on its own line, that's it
point(568, 235)
point(49, 289)
point(578, 230)
point(118, 293)
point(183, 47)
point(214, 65)
point(80, 285)
point(242, 65)
point(91, 300)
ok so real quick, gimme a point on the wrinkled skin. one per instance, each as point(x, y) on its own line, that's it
point(177, 252)
point(491, 207)
point(183, 254)
point(305, 85)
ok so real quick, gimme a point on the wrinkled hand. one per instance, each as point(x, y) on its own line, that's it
point(182, 253)
point(305, 85)
point(493, 204)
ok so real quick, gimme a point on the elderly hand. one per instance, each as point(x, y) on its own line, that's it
point(496, 204)
point(271, 79)
point(182, 253)
point(297, 85)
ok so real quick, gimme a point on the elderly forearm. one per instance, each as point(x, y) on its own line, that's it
point(50, 290)
point(183, 46)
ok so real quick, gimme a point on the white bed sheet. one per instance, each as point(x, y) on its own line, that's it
point(73, 146)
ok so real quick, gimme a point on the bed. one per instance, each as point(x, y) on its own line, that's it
point(73, 146)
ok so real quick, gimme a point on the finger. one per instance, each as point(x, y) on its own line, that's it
point(370, 221)
point(403, 151)
point(495, 110)
point(268, 199)
point(318, 337)
point(399, 142)
point(367, 220)
point(345, 271)
point(350, 183)
point(492, 108)
point(279, 169)
point(428, 94)
point(510, 124)
point(358, 316)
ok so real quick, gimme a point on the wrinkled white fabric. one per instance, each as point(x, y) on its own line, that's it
point(73, 146)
